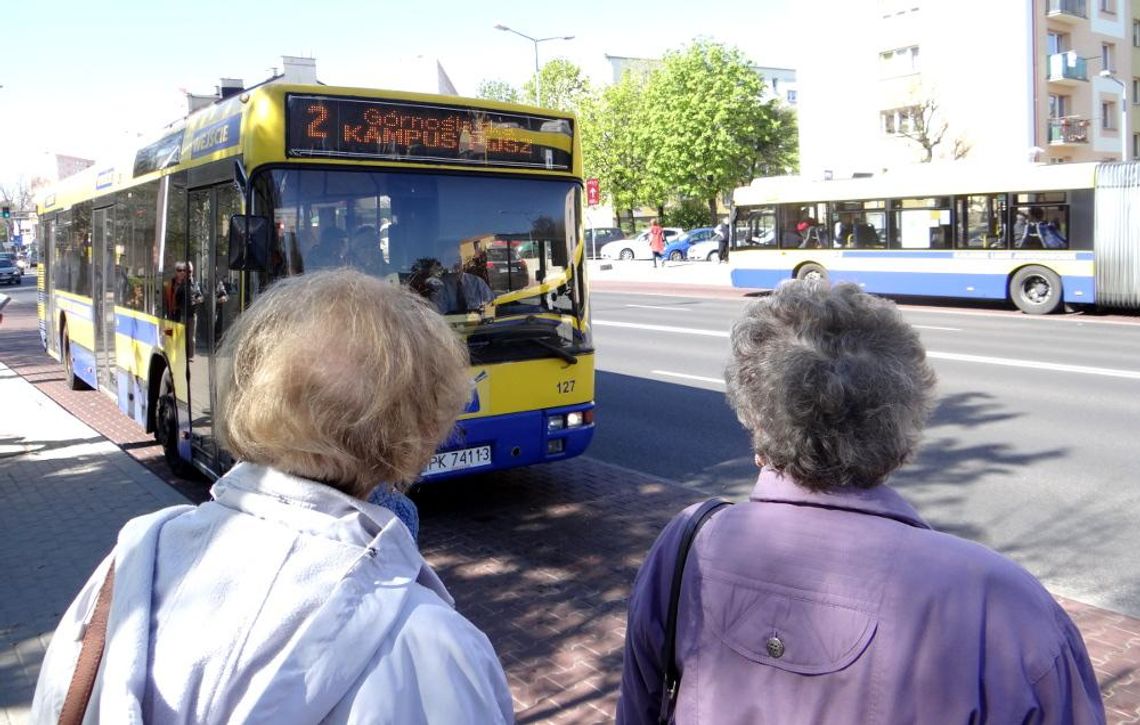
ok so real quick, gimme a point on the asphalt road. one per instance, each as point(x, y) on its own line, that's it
point(1032, 449)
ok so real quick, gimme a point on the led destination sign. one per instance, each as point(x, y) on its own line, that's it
point(323, 126)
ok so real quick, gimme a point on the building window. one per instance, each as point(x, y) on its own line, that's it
point(900, 120)
point(1056, 42)
point(1136, 33)
point(1107, 115)
point(791, 96)
point(1108, 6)
point(1058, 106)
point(900, 61)
point(1107, 54)
point(1136, 91)
point(1136, 145)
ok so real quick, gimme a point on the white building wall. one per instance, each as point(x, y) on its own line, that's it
point(975, 57)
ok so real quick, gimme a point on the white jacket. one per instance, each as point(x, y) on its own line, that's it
point(280, 601)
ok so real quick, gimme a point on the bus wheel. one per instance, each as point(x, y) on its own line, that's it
point(812, 271)
point(74, 382)
point(1035, 290)
point(166, 426)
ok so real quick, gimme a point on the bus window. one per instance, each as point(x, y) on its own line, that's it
point(860, 224)
point(1041, 221)
point(758, 228)
point(981, 222)
point(920, 223)
point(800, 226)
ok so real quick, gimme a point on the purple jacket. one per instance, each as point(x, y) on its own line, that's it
point(801, 607)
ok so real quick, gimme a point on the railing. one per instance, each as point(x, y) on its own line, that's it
point(1067, 66)
point(1068, 130)
point(1076, 8)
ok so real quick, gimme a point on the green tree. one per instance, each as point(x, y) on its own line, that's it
point(704, 123)
point(562, 85)
point(497, 90)
point(611, 148)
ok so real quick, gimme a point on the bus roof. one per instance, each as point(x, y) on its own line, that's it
point(252, 125)
point(922, 181)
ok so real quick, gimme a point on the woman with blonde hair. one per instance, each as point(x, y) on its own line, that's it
point(289, 597)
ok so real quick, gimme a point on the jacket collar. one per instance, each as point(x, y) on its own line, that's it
point(776, 487)
point(312, 507)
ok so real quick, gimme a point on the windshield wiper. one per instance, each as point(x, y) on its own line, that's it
point(531, 330)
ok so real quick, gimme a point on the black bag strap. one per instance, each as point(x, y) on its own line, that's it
point(668, 650)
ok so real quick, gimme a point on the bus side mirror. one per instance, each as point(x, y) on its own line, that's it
point(249, 242)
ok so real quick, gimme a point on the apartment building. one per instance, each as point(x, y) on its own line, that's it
point(887, 83)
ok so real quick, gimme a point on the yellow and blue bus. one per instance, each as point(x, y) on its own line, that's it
point(1037, 236)
point(150, 258)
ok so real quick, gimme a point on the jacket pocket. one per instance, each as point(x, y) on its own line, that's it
point(804, 632)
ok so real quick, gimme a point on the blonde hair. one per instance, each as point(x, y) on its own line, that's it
point(341, 378)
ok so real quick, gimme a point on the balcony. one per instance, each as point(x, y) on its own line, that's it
point(1068, 131)
point(1066, 11)
point(1067, 69)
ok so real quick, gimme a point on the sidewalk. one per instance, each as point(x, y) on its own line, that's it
point(65, 491)
point(540, 559)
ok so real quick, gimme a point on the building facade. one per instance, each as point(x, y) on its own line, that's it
point(904, 81)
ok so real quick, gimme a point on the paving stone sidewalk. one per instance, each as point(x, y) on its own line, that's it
point(540, 559)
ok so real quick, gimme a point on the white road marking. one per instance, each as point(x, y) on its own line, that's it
point(659, 307)
point(686, 376)
point(958, 357)
point(660, 328)
point(1033, 364)
point(936, 327)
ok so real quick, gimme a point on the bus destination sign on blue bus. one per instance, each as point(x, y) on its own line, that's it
point(338, 127)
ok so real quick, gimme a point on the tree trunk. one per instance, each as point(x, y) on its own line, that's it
point(661, 214)
point(712, 210)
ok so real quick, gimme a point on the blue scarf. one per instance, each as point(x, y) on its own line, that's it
point(400, 505)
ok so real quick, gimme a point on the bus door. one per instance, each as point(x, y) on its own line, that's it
point(209, 211)
point(103, 296)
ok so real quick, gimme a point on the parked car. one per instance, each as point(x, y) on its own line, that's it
point(638, 247)
point(9, 272)
point(678, 249)
point(597, 237)
point(710, 248)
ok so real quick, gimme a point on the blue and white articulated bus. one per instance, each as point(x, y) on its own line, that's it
point(1038, 236)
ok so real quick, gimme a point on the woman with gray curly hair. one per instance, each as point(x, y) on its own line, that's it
point(289, 597)
point(825, 597)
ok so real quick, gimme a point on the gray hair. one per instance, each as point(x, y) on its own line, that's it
point(341, 378)
point(832, 384)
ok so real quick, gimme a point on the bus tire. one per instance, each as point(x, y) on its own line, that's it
point(74, 382)
point(626, 254)
point(812, 271)
point(166, 426)
point(1036, 290)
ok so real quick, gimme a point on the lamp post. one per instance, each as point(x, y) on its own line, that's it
point(1123, 112)
point(536, 41)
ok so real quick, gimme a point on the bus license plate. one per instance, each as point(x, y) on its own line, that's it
point(458, 460)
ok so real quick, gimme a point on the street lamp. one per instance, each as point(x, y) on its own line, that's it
point(536, 41)
point(1123, 112)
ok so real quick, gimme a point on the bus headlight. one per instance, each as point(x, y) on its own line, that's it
point(573, 420)
point(555, 423)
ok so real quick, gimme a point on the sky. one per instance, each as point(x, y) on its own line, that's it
point(87, 77)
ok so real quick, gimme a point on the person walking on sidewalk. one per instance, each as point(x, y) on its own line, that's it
point(657, 242)
point(289, 597)
point(826, 598)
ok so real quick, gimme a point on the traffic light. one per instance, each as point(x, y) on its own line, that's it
point(6, 213)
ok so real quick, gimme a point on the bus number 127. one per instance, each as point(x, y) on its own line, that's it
point(565, 386)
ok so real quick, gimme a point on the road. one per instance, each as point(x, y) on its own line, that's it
point(1031, 450)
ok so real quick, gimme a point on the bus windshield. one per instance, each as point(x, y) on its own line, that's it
point(467, 244)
